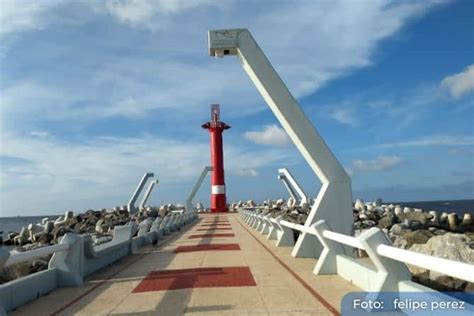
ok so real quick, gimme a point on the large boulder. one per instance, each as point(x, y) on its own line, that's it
point(457, 247)
point(417, 237)
point(398, 210)
point(59, 231)
point(278, 202)
point(398, 229)
point(415, 216)
point(302, 219)
point(399, 242)
point(251, 203)
point(387, 221)
point(367, 223)
point(305, 208)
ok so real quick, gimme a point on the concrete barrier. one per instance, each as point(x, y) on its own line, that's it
point(389, 272)
point(75, 257)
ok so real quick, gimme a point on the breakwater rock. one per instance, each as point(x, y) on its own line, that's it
point(99, 225)
point(440, 234)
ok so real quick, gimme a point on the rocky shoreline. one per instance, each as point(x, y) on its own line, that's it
point(97, 224)
point(444, 235)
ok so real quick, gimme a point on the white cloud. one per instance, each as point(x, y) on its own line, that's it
point(250, 172)
point(136, 84)
point(18, 16)
point(459, 84)
point(113, 71)
point(344, 116)
point(436, 140)
point(40, 134)
point(133, 11)
point(270, 135)
point(380, 163)
point(151, 14)
point(404, 107)
point(103, 171)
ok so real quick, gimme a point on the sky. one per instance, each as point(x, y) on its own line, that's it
point(95, 93)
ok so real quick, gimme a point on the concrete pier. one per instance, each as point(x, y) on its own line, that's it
point(227, 269)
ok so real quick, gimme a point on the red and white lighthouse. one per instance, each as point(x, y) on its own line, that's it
point(216, 127)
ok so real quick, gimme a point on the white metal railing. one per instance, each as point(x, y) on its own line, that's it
point(343, 239)
point(456, 269)
point(389, 262)
point(74, 258)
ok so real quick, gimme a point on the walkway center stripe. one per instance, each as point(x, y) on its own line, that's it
point(210, 235)
point(209, 247)
point(215, 224)
point(214, 228)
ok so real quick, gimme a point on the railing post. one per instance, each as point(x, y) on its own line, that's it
point(256, 220)
point(265, 227)
point(155, 227)
point(249, 218)
point(272, 233)
point(144, 228)
point(171, 225)
point(327, 260)
point(164, 225)
point(259, 222)
point(390, 272)
point(285, 237)
point(69, 264)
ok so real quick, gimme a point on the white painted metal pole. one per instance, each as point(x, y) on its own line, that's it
point(131, 204)
point(334, 201)
point(284, 173)
point(288, 187)
point(150, 188)
point(196, 186)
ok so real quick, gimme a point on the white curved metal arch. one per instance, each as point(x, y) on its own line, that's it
point(150, 188)
point(334, 201)
point(189, 200)
point(131, 203)
point(294, 188)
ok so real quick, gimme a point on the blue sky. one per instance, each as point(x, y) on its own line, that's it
point(95, 93)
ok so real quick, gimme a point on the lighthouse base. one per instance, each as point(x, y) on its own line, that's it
point(218, 203)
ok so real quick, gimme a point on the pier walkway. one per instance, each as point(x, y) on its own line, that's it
point(216, 266)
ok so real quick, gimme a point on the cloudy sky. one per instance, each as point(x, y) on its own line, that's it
point(95, 93)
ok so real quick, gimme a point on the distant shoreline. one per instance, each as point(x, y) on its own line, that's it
point(457, 206)
point(465, 205)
